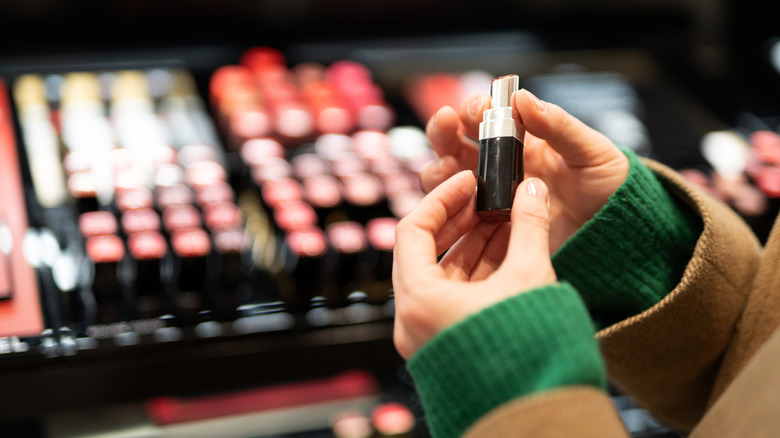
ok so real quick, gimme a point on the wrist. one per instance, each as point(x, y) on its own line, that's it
point(633, 251)
point(529, 343)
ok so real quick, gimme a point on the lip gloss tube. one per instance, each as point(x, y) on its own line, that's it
point(500, 167)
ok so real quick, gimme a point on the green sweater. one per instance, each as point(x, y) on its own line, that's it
point(624, 260)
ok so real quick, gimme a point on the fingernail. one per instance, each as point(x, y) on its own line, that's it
point(476, 105)
point(537, 188)
point(435, 120)
point(537, 103)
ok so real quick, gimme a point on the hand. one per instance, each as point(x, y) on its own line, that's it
point(487, 262)
point(582, 167)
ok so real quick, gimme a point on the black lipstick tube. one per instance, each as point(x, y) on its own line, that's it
point(500, 168)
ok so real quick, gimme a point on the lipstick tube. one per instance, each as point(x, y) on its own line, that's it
point(305, 255)
point(187, 283)
point(227, 271)
point(105, 254)
point(500, 168)
point(148, 251)
point(350, 266)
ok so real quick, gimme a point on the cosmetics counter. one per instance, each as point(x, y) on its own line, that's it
point(197, 240)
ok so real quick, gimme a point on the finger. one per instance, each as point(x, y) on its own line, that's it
point(529, 238)
point(493, 255)
point(471, 112)
point(578, 144)
point(435, 224)
point(446, 137)
point(436, 172)
point(467, 253)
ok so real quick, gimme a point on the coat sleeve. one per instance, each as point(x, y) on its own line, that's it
point(580, 411)
point(670, 356)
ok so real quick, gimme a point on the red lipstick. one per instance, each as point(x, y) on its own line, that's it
point(381, 237)
point(140, 220)
point(305, 253)
point(97, 223)
point(351, 267)
point(105, 254)
point(180, 217)
point(191, 247)
point(294, 215)
point(148, 250)
point(172, 196)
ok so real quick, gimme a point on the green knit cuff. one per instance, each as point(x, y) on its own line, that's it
point(633, 252)
point(535, 341)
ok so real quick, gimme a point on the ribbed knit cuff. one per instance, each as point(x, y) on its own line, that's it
point(633, 252)
point(535, 341)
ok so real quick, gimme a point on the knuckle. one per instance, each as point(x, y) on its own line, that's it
point(537, 217)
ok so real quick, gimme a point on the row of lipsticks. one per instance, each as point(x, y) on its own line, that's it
point(333, 174)
point(301, 206)
point(143, 182)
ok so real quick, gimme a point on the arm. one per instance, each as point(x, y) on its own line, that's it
point(669, 355)
point(529, 364)
point(473, 339)
point(675, 352)
point(646, 341)
point(551, 326)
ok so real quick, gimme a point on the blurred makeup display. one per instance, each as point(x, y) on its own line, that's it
point(275, 195)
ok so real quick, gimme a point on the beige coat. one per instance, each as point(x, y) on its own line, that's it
point(705, 359)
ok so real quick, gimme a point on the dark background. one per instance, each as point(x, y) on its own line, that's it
point(700, 65)
point(721, 44)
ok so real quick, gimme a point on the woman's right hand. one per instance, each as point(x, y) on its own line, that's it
point(581, 166)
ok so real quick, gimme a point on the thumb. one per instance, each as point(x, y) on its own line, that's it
point(529, 240)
